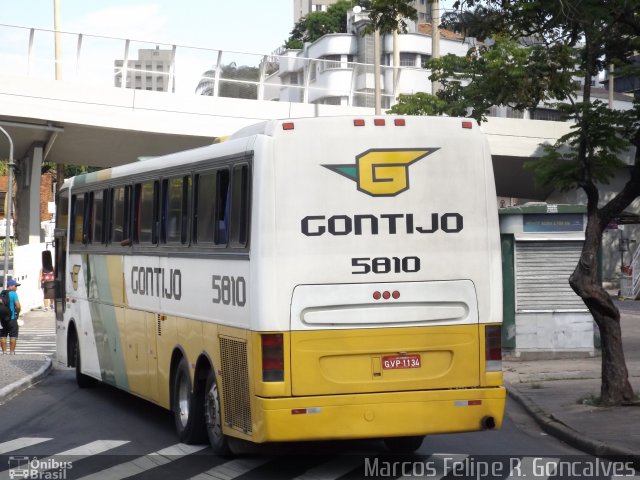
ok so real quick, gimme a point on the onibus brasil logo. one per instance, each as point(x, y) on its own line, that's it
point(381, 172)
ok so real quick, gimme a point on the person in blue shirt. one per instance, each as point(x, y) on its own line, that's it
point(10, 327)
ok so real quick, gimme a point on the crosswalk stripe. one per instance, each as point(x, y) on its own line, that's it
point(232, 469)
point(146, 462)
point(19, 443)
point(78, 453)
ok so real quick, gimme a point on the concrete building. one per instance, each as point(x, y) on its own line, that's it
point(337, 68)
point(150, 71)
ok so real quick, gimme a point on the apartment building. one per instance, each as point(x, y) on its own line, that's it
point(150, 71)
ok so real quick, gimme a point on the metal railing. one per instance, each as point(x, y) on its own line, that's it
point(125, 63)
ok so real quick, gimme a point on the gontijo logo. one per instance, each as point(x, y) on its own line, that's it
point(382, 172)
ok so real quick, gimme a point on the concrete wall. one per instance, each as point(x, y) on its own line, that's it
point(552, 334)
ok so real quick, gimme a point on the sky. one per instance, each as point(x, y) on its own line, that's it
point(256, 26)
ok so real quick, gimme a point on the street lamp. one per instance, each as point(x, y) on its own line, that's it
point(7, 230)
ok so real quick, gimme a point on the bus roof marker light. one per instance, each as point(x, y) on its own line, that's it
point(288, 126)
point(358, 122)
point(468, 125)
point(399, 122)
point(377, 295)
point(379, 122)
point(395, 294)
point(386, 295)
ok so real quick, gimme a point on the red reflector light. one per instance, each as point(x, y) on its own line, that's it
point(377, 295)
point(379, 122)
point(386, 295)
point(287, 126)
point(474, 402)
point(399, 122)
point(298, 411)
point(272, 357)
point(493, 347)
point(358, 122)
point(467, 124)
point(396, 294)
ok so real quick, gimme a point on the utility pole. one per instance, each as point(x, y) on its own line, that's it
point(8, 214)
point(56, 28)
point(435, 38)
point(376, 71)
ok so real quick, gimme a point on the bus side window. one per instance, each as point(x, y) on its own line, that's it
point(240, 190)
point(203, 208)
point(77, 218)
point(120, 214)
point(174, 206)
point(221, 225)
point(97, 213)
point(87, 218)
point(146, 213)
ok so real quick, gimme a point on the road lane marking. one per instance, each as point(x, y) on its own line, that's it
point(19, 443)
point(232, 469)
point(146, 462)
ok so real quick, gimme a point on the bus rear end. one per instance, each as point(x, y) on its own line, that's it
point(380, 260)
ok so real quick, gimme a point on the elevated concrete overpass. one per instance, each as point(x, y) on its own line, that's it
point(103, 127)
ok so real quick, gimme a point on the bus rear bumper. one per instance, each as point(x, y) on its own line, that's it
point(377, 415)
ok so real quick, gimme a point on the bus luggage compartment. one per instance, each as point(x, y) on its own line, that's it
point(381, 337)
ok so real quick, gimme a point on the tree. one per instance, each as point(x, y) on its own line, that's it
point(567, 39)
point(316, 24)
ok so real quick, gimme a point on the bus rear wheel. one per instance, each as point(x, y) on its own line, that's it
point(188, 406)
point(403, 444)
point(213, 417)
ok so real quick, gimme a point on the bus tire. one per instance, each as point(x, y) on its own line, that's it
point(188, 406)
point(213, 417)
point(83, 381)
point(403, 444)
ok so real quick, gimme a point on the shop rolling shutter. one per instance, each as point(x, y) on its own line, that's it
point(542, 275)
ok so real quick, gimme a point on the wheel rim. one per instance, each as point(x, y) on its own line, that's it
point(184, 394)
point(212, 415)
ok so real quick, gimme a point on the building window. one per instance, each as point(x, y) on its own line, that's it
point(330, 62)
point(407, 59)
point(545, 114)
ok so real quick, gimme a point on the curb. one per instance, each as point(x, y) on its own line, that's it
point(562, 431)
point(27, 381)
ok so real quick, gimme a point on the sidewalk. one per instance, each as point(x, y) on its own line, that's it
point(555, 392)
point(18, 372)
point(559, 393)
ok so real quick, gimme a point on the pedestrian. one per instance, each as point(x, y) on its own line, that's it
point(46, 275)
point(10, 325)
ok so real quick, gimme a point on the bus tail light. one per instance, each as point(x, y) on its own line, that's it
point(272, 357)
point(493, 348)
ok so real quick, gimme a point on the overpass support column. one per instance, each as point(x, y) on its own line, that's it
point(28, 196)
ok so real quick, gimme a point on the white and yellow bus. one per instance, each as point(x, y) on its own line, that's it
point(306, 279)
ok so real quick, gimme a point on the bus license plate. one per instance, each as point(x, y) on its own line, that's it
point(394, 362)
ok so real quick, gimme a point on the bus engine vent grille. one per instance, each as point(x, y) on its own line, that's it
point(235, 384)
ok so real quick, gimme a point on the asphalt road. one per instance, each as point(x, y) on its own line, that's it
point(61, 431)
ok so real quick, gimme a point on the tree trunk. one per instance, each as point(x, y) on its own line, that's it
point(615, 388)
